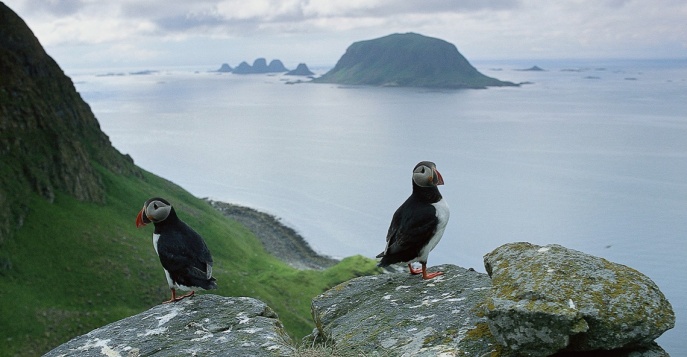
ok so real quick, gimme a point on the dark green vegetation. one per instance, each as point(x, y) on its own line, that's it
point(71, 259)
point(407, 60)
point(48, 135)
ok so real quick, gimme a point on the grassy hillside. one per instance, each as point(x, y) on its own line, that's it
point(71, 259)
point(75, 265)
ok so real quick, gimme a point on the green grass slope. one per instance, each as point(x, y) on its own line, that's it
point(75, 266)
point(71, 259)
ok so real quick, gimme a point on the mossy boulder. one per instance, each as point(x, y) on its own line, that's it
point(205, 325)
point(552, 298)
point(400, 314)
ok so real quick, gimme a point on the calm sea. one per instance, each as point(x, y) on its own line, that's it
point(589, 155)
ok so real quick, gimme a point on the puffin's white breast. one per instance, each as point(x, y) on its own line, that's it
point(172, 284)
point(442, 214)
point(156, 237)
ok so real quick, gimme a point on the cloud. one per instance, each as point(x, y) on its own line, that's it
point(234, 17)
point(481, 28)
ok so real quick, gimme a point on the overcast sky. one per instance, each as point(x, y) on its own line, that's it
point(148, 33)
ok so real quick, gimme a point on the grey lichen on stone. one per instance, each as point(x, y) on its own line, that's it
point(550, 298)
point(401, 314)
point(204, 325)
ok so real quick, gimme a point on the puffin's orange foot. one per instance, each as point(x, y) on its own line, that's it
point(176, 298)
point(414, 271)
point(428, 276)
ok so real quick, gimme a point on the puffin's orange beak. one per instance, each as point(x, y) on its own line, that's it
point(440, 180)
point(139, 220)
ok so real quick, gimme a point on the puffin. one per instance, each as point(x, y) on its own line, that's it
point(419, 223)
point(185, 257)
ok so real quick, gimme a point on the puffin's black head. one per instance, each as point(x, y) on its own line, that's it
point(425, 174)
point(154, 210)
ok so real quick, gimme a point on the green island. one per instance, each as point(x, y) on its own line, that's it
point(407, 60)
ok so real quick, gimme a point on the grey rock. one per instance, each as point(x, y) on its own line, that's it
point(650, 350)
point(204, 325)
point(550, 298)
point(225, 68)
point(276, 66)
point(279, 240)
point(260, 66)
point(301, 70)
point(400, 314)
point(243, 68)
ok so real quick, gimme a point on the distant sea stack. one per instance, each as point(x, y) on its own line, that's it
point(407, 60)
point(243, 68)
point(260, 66)
point(276, 66)
point(301, 70)
point(532, 69)
point(224, 68)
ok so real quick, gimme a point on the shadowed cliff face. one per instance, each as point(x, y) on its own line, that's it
point(49, 138)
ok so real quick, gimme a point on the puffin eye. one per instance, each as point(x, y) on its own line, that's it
point(155, 206)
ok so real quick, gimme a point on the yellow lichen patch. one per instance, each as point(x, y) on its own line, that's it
point(479, 332)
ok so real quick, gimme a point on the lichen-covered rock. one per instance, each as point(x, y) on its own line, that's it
point(205, 325)
point(550, 298)
point(400, 314)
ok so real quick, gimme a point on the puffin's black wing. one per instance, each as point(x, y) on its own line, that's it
point(184, 254)
point(412, 226)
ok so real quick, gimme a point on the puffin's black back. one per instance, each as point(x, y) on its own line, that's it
point(183, 253)
point(412, 226)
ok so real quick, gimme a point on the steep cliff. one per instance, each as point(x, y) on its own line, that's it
point(49, 138)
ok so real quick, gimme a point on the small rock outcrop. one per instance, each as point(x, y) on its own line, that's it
point(532, 69)
point(279, 240)
point(551, 298)
point(243, 68)
point(260, 66)
point(301, 70)
point(205, 325)
point(225, 68)
point(404, 315)
point(276, 66)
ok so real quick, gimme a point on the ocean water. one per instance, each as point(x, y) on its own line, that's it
point(591, 155)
